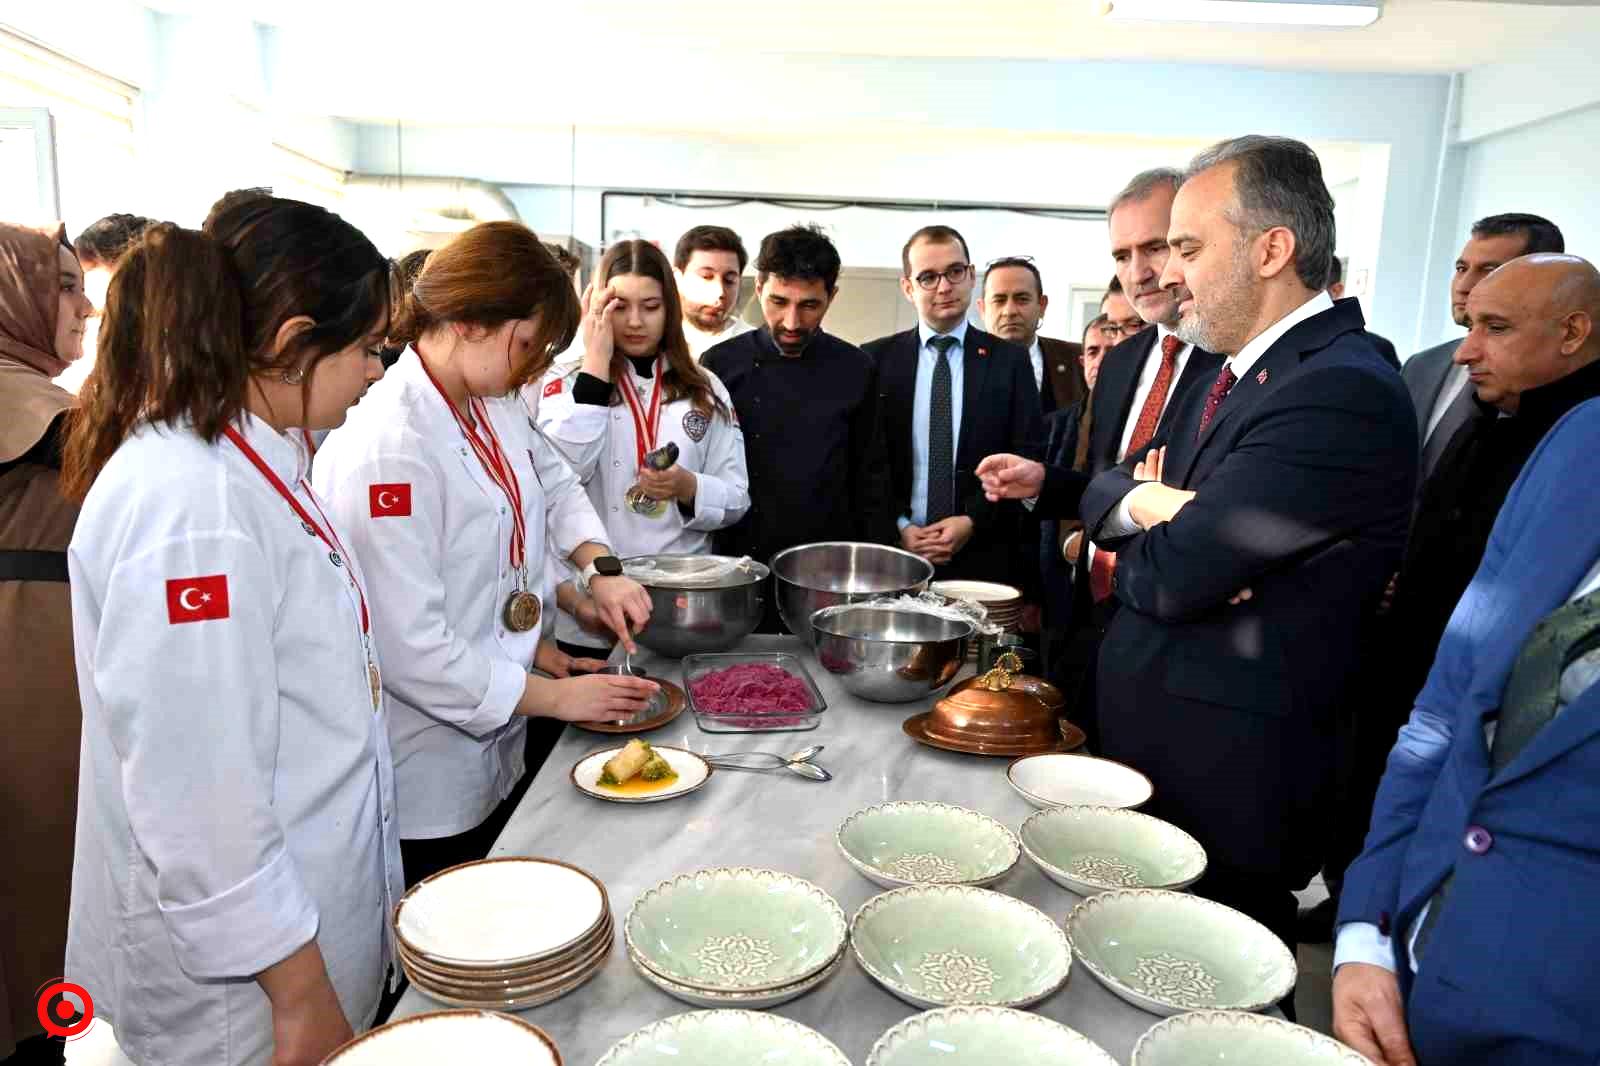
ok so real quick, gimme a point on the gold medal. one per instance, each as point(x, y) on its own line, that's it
point(522, 611)
point(640, 504)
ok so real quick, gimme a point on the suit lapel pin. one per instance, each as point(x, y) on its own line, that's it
point(983, 351)
point(1261, 378)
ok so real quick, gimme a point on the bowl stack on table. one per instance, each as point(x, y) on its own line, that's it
point(1002, 602)
point(504, 934)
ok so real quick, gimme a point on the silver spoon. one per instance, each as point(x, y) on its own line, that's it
point(810, 770)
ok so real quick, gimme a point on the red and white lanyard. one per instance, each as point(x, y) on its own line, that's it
point(323, 529)
point(646, 423)
point(311, 444)
point(495, 464)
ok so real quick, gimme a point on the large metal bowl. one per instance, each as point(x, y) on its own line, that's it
point(691, 619)
point(889, 654)
point(809, 577)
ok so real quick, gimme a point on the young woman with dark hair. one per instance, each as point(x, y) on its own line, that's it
point(236, 854)
point(635, 389)
point(451, 499)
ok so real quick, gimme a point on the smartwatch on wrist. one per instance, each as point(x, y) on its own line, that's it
point(601, 566)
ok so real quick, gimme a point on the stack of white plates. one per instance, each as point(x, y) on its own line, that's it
point(1002, 602)
point(506, 934)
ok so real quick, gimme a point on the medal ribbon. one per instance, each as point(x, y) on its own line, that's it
point(495, 464)
point(645, 424)
point(328, 535)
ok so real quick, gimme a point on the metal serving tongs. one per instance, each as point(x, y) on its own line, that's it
point(757, 762)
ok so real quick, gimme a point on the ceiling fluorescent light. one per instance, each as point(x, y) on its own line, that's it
point(1255, 12)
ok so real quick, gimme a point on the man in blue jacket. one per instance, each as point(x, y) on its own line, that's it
point(1468, 927)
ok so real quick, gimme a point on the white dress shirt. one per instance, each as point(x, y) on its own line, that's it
point(922, 404)
point(1121, 523)
point(1361, 941)
point(441, 577)
point(236, 796)
point(600, 443)
point(701, 342)
point(1036, 357)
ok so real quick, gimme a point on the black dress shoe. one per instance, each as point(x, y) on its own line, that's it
point(1314, 925)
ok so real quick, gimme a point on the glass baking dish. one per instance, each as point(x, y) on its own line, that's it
point(697, 666)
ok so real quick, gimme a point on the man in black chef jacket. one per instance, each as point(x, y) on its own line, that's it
point(808, 404)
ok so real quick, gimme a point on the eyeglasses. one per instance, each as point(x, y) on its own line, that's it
point(929, 279)
point(1121, 329)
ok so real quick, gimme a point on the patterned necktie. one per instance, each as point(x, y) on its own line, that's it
point(1156, 401)
point(1219, 392)
point(941, 437)
point(1532, 698)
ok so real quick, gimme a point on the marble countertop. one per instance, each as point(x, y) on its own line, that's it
point(782, 822)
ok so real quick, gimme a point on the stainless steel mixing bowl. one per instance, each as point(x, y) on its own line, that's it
point(690, 619)
point(889, 654)
point(809, 577)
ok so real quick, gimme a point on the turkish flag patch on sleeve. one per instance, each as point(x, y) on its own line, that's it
point(390, 501)
point(553, 388)
point(196, 599)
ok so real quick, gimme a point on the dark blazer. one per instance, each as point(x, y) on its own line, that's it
point(1305, 480)
point(1063, 375)
point(999, 413)
point(1385, 348)
point(1507, 977)
point(1425, 374)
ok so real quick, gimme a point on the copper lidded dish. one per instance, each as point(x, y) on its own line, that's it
point(1000, 713)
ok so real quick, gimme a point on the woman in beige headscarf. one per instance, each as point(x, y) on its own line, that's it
point(42, 314)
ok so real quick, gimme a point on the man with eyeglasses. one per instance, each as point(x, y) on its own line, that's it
point(1013, 306)
point(951, 394)
point(1121, 320)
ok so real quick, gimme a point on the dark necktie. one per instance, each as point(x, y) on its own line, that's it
point(1156, 401)
point(941, 437)
point(1532, 698)
point(1219, 392)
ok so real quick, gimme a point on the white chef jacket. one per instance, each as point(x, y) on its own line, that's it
point(701, 342)
point(600, 444)
point(441, 577)
point(236, 796)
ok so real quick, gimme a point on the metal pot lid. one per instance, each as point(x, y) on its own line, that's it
point(679, 571)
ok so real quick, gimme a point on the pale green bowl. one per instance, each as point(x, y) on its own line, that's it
point(1094, 849)
point(724, 1038)
point(915, 843)
point(1230, 1038)
point(985, 1036)
point(941, 945)
point(735, 929)
point(1169, 952)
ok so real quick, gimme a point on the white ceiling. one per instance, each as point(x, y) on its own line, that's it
point(1412, 36)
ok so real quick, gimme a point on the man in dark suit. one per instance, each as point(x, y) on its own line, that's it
point(1336, 291)
point(1257, 534)
point(1444, 403)
point(1012, 306)
point(951, 394)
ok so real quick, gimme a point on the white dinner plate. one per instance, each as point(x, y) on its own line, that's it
point(984, 592)
point(499, 912)
point(693, 772)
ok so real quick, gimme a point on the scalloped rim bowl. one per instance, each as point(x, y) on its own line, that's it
point(699, 997)
point(1098, 849)
point(1062, 780)
point(439, 1035)
point(1237, 1039)
point(918, 843)
point(735, 929)
point(1170, 952)
point(945, 945)
point(724, 1038)
point(985, 1036)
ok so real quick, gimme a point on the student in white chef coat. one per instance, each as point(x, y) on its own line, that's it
point(450, 499)
point(237, 854)
point(633, 389)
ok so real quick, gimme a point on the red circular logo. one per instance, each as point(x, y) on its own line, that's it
point(60, 1015)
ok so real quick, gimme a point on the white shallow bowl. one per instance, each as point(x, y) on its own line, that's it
point(1170, 952)
point(1096, 849)
point(699, 997)
point(944, 945)
point(985, 1036)
point(1231, 1038)
point(915, 843)
point(724, 1038)
point(450, 1036)
point(692, 771)
point(1056, 780)
point(479, 913)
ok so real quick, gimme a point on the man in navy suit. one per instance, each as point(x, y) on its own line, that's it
point(1254, 535)
point(951, 394)
point(1468, 925)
